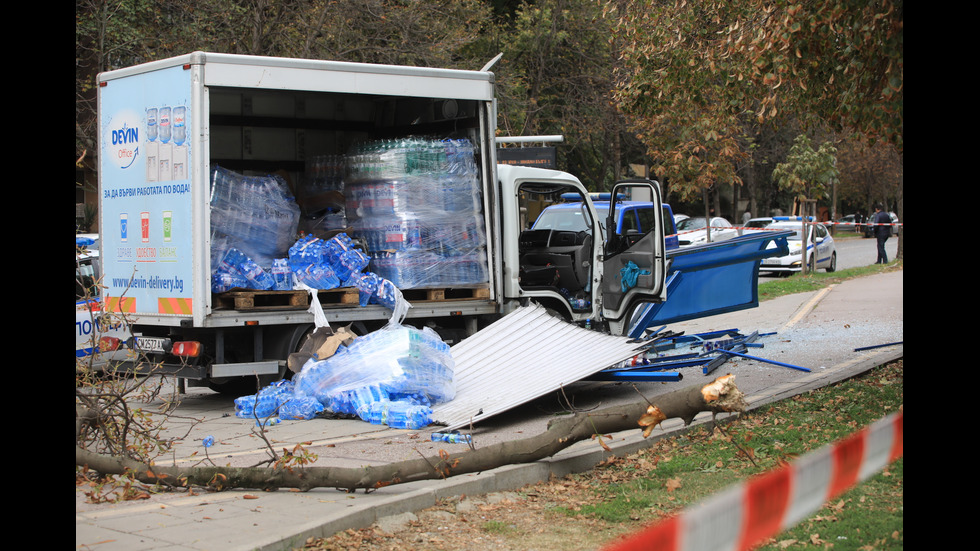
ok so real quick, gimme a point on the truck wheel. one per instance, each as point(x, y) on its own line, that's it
point(278, 345)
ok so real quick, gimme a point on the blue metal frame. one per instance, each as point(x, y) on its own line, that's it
point(712, 279)
point(733, 344)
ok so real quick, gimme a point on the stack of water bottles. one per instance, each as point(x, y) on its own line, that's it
point(392, 376)
point(266, 403)
point(326, 264)
point(321, 191)
point(325, 173)
point(417, 205)
point(256, 215)
point(278, 400)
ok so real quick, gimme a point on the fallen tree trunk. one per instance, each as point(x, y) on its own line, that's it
point(721, 395)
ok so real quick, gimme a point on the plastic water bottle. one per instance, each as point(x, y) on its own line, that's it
point(256, 406)
point(282, 275)
point(452, 437)
point(405, 415)
point(397, 415)
point(300, 407)
point(236, 261)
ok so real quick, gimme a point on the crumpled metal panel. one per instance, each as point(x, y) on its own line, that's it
point(523, 356)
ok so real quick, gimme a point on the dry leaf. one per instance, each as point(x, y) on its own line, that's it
point(673, 484)
point(651, 419)
point(250, 496)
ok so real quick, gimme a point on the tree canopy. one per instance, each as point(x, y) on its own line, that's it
point(808, 173)
point(696, 75)
point(695, 89)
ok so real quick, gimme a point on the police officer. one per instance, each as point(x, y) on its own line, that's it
point(883, 230)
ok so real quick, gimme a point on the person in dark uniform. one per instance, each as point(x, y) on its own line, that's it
point(882, 230)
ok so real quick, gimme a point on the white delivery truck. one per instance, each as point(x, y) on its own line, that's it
point(178, 135)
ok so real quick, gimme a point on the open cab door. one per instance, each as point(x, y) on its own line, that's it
point(634, 263)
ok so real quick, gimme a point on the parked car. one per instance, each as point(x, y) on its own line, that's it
point(754, 225)
point(693, 231)
point(97, 340)
point(848, 223)
point(821, 253)
point(679, 217)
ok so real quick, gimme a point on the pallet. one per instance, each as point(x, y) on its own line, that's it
point(250, 299)
point(445, 294)
point(254, 300)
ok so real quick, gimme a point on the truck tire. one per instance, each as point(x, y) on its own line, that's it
point(278, 345)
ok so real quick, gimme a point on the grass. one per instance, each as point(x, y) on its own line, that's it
point(682, 470)
point(798, 283)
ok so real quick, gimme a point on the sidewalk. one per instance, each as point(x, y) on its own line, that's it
point(817, 331)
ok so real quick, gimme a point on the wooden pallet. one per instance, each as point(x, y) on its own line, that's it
point(445, 294)
point(249, 299)
point(342, 296)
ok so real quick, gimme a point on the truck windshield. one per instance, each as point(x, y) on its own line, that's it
point(569, 219)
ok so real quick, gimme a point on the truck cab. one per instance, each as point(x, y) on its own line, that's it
point(573, 265)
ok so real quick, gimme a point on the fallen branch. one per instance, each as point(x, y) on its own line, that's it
point(721, 395)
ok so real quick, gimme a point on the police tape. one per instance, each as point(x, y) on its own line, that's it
point(740, 228)
point(869, 224)
point(743, 516)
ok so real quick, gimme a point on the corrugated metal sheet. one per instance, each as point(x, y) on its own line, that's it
point(520, 357)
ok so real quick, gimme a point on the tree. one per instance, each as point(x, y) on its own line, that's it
point(555, 77)
point(806, 172)
point(110, 34)
point(695, 72)
point(869, 173)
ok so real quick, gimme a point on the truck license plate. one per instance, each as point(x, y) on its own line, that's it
point(150, 344)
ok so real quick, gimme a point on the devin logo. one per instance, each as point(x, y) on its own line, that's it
point(123, 139)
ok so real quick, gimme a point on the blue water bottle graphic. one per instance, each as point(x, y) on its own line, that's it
point(123, 227)
point(152, 145)
point(164, 125)
point(151, 124)
point(178, 125)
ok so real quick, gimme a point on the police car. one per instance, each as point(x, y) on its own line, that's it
point(98, 337)
point(821, 253)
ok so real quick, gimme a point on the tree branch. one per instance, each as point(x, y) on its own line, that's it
point(718, 396)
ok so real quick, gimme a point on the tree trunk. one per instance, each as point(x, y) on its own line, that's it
point(718, 396)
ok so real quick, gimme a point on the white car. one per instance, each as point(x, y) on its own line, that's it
point(97, 340)
point(692, 231)
point(821, 252)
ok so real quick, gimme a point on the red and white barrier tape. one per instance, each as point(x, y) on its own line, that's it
point(871, 224)
point(763, 506)
point(771, 229)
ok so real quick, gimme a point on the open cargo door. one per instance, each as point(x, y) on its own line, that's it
point(710, 279)
point(520, 357)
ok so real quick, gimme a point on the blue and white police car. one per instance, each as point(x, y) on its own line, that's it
point(821, 253)
point(97, 337)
